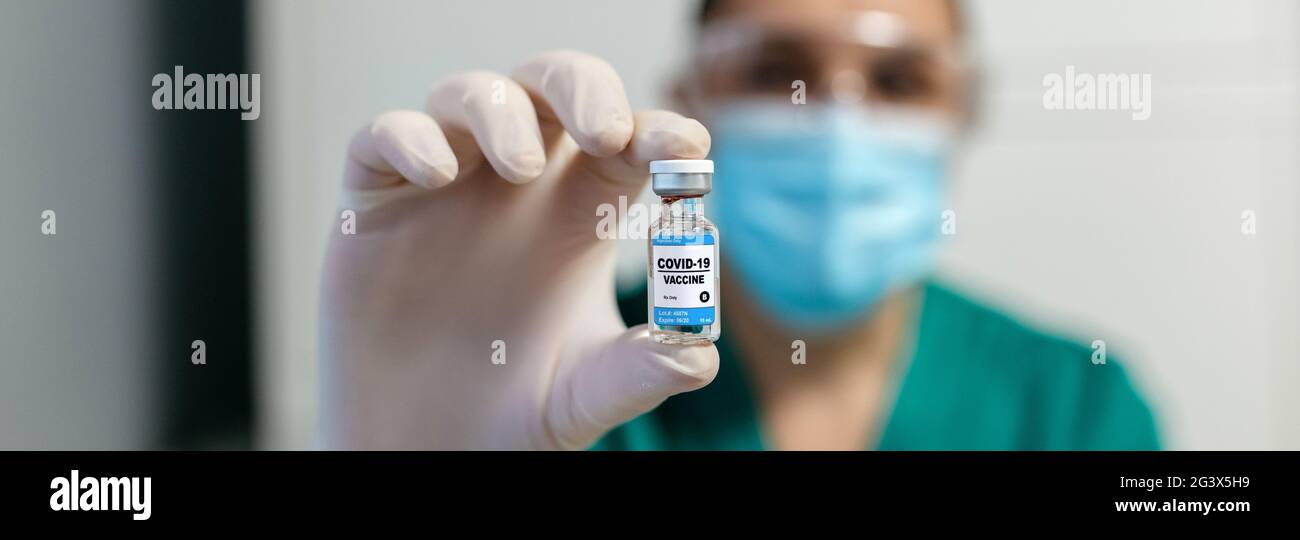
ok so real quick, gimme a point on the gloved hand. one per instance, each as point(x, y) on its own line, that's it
point(476, 235)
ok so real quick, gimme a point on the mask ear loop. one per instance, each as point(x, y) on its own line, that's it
point(972, 88)
point(970, 83)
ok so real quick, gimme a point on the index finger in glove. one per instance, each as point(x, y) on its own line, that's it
point(584, 94)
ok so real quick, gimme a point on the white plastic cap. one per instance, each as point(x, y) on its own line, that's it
point(681, 166)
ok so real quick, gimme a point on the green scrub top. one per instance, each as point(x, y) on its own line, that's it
point(977, 380)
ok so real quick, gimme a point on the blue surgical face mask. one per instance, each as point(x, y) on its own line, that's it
point(824, 209)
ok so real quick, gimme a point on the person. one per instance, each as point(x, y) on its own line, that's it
point(474, 306)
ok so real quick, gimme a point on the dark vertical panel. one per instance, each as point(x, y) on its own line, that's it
point(203, 192)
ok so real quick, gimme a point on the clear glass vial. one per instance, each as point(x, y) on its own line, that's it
point(683, 251)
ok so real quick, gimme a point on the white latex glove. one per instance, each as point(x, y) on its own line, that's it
point(453, 252)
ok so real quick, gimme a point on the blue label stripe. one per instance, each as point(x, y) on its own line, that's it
point(683, 316)
point(670, 239)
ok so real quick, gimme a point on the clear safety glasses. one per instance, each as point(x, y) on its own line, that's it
point(870, 57)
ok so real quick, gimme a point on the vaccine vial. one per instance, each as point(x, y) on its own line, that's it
point(683, 273)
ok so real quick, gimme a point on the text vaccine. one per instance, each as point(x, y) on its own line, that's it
point(683, 255)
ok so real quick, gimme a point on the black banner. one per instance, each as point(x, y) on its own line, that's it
point(145, 489)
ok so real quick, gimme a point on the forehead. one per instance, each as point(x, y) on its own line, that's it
point(928, 20)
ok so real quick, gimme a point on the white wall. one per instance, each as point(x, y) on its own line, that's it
point(1120, 230)
point(77, 309)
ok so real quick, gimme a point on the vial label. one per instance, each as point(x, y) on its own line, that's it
point(683, 279)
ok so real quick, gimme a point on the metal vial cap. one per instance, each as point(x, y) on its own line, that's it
point(681, 177)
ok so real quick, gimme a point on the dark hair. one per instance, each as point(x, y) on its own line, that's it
point(709, 8)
